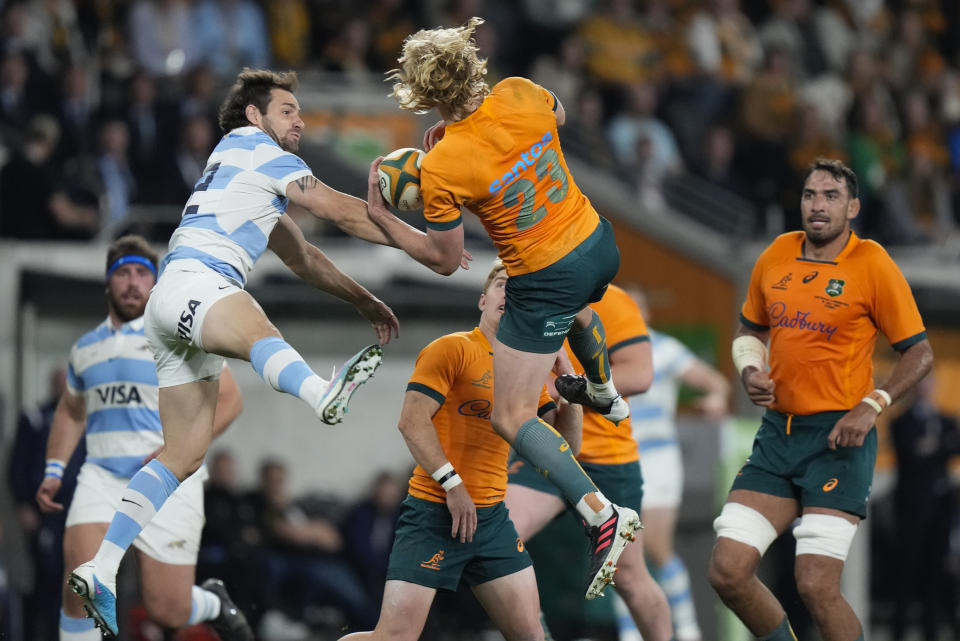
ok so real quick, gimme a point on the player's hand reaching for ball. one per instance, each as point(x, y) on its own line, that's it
point(384, 322)
point(433, 135)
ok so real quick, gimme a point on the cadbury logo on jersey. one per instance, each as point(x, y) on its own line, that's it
point(479, 408)
point(780, 316)
point(527, 160)
point(121, 394)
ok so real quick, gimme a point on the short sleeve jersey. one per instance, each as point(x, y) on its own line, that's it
point(456, 370)
point(604, 442)
point(235, 205)
point(504, 163)
point(824, 318)
point(113, 370)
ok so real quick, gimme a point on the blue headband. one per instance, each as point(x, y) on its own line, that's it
point(126, 260)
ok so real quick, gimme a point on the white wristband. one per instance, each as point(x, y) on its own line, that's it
point(442, 471)
point(748, 351)
point(884, 394)
point(872, 403)
point(54, 468)
point(451, 482)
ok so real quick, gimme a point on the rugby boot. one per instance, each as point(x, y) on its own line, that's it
point(575, 389)
point(607, 542)
point(231, 625)
point(354, 373)
point(99, 597)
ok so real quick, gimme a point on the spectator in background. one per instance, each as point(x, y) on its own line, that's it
point(619, 48)
point(643, 145)
point(16, 105)
point(161, 36)
point(33, 204)
point(288, 25)
point(925, 440)
point(876, 154)
point(348, 52)
point(716, 161)
point(724, 43)
point(152, 126)
point(189, 160)
point(198, 99)
point(109, 175)
point(232, 34)
point(587, 136)
point(75, 112)
point(368, 532)
point(300, 561)
point(564, 73)
point(43, 532)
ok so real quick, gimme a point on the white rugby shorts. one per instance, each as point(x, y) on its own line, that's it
point(172, 536)
point(173, 323)
point(662, 465)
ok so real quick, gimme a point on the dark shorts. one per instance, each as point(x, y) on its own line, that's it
point(541, 305)
point(799, 465)
point(621, 484)
point(424, 552)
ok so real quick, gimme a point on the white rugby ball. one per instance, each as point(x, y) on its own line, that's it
point(400, 178)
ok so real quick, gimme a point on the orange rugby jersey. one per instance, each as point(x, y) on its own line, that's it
point(823, 318)
point(456, 370)
point(604, 442)
point(503, 162)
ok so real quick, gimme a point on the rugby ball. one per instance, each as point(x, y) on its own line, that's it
point(400, 178)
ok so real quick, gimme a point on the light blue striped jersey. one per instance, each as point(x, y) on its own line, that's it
point(235, 205)
point(113, 370)
point(653, 413)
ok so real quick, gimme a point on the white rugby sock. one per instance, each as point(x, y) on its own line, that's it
point(204, 605)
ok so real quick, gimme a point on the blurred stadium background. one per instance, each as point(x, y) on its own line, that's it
point(690, 124)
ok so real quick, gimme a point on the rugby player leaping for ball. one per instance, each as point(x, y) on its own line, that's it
point(496, 152)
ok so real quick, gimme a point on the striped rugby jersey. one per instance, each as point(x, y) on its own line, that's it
point(235, 205)
point(113, 370)
point(654, 412)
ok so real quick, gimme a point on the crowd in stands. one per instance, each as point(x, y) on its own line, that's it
point(104, 105)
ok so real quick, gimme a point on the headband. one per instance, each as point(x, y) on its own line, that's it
point(126, 260)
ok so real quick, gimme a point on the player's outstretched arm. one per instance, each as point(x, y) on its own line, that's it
point(69, 421)
point(441, 251)
point(314, 268)
point(416, 426)
point(347, 212)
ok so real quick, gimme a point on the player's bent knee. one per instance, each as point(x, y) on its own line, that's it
point(746, 525)
point(824, 534)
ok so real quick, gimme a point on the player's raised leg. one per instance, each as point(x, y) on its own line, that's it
point(516, 377)
point(596, 389)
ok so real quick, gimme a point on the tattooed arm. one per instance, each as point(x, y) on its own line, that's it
point(343, 210)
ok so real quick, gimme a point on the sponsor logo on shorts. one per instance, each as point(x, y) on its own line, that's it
point(177, 545)
point(558, 325)
point(519, 545)
point(434, 562)
point(479, 408)
point(185, 326)
point(829, 485)
point(515, 467)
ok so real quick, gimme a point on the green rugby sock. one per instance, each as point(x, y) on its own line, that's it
point(550, 454)
point(783, 632)
point(589, 345)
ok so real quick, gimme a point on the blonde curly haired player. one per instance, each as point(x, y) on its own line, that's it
point(441, 67)
point(497, 153)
